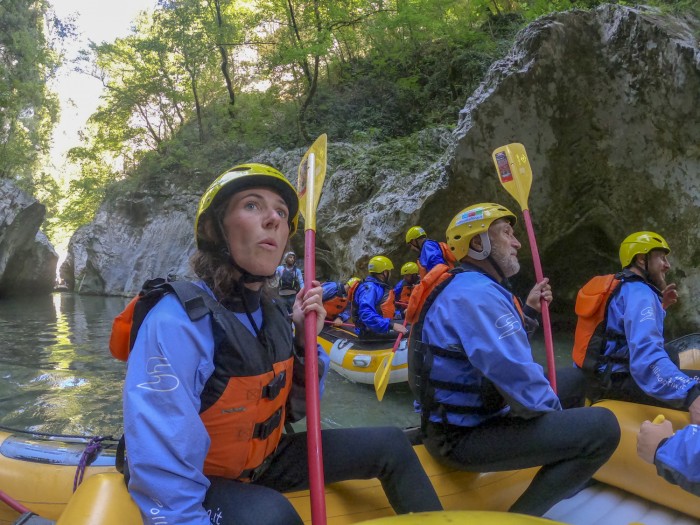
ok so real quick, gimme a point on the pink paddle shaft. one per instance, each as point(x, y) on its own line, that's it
point(548, 341)
point(346, 325)
point(313, 405)
point(13, 504)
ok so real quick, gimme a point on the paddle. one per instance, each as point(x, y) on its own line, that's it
point(13, 504)
point(346, 325)
point(515, 174)
point(312, 173)
point(381, 376)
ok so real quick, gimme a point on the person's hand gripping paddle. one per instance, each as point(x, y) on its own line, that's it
point(312, 173)
point(515, 174)
point(381, 376)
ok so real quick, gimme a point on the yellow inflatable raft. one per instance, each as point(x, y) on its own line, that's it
point(44, 485)
point(357, 359)
point(38, 472)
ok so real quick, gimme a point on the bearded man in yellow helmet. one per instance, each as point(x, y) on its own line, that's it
point(630, 362)
point(211, 381)
point(485, 404)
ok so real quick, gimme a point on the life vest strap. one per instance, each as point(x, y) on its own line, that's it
point(274, 387)
point(264, 429)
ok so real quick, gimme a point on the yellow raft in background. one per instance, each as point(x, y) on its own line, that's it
point(357, 359)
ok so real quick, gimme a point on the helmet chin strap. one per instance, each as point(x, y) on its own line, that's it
point(485, 255)
point(485, 248)
point(246, 276)
point(645, 268)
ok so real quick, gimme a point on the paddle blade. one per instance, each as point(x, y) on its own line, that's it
point(312, 173)
point(381, 376)
point(514, 171)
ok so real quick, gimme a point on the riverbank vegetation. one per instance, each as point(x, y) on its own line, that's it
point(200, 84)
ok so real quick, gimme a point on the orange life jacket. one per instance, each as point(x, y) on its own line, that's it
point(406, 291)
point(335, 306)
point(423, 289)
point(591, 308)
point(447, 255)
point(245, 402)
point(351, 291)
point(388, 306)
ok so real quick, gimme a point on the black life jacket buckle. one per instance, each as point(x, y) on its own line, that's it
point(263, 430)
point(274, 387)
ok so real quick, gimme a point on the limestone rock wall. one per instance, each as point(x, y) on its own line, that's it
point(605, 102)
point(27, 259)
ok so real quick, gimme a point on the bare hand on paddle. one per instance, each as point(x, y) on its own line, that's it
point(541, 290)
point(669, 295)
point(399, 328)
point(308, 300)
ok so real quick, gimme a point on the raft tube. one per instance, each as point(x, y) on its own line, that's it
point(358, 359)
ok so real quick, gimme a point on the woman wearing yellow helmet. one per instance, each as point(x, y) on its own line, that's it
point(212, 380)
point(485, 403)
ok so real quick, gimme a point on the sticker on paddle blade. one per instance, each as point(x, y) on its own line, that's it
point(503, 167)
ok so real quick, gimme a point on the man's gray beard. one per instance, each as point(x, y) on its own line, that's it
point(508, 265)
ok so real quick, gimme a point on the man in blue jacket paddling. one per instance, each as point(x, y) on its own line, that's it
point(485, 404)
point(634, 364)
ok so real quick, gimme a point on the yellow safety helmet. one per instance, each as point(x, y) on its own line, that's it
point(379, 264)
point(641, 242)
point(351, 282)
point(409, 268)
point(472, 221)
point(415, 232)
point(243, 177)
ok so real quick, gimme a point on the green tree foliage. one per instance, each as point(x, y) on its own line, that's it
point(85, 193)
point(202, 84)
point(28, 110)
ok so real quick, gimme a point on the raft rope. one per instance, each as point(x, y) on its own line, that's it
point(93, 448)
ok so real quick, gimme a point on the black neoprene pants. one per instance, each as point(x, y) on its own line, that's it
point(353, 453)
point(570, 445)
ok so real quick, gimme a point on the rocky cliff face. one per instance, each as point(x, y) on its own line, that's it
point(605, 103)
point(27, 259)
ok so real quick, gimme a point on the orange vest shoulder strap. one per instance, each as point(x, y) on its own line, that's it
point(422, 290)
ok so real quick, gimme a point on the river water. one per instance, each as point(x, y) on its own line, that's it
point(59, 377)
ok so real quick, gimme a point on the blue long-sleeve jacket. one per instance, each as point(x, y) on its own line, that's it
point(333, 289)
point(168, 367)
point(368, 295)
point(678, 459)
point(479, 316)
point(637, 313)
point(430, 255)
